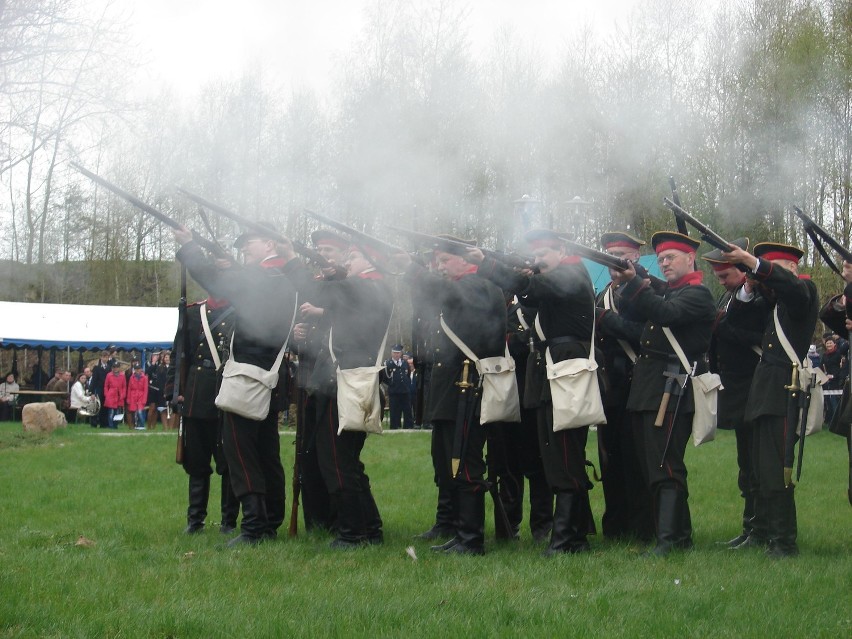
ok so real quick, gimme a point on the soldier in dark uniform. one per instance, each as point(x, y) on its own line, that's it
point(96, 386)
point(357, 311)
point(513, 450)
point(202, 426)
point(628, 512)
point(565, 298)
point(264, 302)
point(397, 376)
point(317, 507)
point(795, 299)
point(473, 308)
point(734, 353)
point(686, 308)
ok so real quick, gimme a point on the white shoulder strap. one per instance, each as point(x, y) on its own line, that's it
point(464, 348)
point(677, 349)
point(609, 304)
point(214, 352)
point(280, 357)
point(782, 337)
point(381, 348)
point(520, 313)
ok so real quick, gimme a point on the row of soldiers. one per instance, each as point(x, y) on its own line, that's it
point(340, 320)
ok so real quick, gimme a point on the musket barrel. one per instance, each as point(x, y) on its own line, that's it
point(135, 201)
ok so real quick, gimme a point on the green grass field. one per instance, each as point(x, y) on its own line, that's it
point(143, 578)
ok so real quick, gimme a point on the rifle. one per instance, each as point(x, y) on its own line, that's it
point(707, 234)
point(182, 354)
point(681, 224)
point(214, 248)
point(815, 231)
point(610, 261)
point(434, 242)
point(251, 225)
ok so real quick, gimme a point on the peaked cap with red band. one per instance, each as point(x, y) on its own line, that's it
point(775, 251)
point(256, 234)
point(451, 246)
point(539, 238)
point(668, 240)
point(323, 236)
point(717, 262)
point(613, 239)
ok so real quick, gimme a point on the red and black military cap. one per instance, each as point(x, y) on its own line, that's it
point(668, 240)
point(323, 236)
point(715, 259)
point(257, 234)
point(538, 238)
point(453, 245)
point(776, 251)
point(613, 239)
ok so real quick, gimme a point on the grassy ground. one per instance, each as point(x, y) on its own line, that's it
point(142, 578)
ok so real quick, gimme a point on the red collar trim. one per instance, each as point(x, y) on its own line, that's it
point(273, 262)
point(690, 279)
point(804, 276)
point(571, 259)
point(371, 274)
point(471, 269)
point(215, 302)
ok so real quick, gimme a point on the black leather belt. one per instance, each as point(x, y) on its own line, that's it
point(648, 353)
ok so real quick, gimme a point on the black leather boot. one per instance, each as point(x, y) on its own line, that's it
point(350, 522)
point(372, 519)
point(196, 513)
point(570, 525)
point(230, 506)
point(758, 536)
point(471, 529)
point(445, 516)
point(255, 523)
point(541, 507)
point(782, 539)
point(275, 510)
point(671, 519)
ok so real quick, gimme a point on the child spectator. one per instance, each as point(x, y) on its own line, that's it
point(115, 392)
point(137, 397)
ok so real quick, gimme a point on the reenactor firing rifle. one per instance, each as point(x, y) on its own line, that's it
point(251, 225)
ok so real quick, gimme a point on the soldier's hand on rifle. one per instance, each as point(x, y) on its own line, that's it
point(738, 256)
point(308, 310)
point(620, 277)
point(474, 255)
point(182, 235)
point(300, 331)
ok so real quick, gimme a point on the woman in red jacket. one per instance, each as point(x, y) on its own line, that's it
point(115, 391)
point(137, 396)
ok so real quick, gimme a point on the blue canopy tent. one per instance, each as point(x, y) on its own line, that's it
point(73, 327)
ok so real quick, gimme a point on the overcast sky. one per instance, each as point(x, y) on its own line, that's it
point(298, 41)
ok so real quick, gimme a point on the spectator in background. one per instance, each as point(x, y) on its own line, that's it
point(129, 415)
point(155, 389)
point(137, 397)
point(8, 397)
point(814, 356)
point(115, 393)
point(397, 376)
point(79, 397)
point(96, 386)
point(834, 364)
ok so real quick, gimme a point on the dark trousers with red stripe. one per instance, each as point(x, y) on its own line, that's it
point(253, 451)
point(667, 480)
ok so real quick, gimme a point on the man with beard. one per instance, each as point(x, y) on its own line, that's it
point(357, 311)
point(627, 511)
point(264, 302)
point(734, 353)
point(686, 309)
point(473, 308)
point(563, 294)
point(794, 301)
